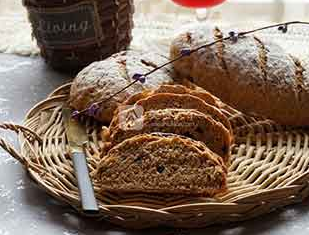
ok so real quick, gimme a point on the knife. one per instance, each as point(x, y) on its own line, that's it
point(77, 136)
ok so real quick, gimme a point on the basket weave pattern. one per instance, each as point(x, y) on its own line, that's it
point(269, 169)
point(113, 23)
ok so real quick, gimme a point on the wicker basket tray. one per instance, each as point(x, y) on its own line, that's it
point(270, 169)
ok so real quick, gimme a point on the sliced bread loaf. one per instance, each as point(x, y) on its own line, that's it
point(169, 100)
point(186, 122)
point(184, 101)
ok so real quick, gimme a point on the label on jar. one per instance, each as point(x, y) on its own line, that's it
point(64, 27)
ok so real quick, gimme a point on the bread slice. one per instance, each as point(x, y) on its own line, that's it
point(161, 164)
point(175, 89)
point(185, 101)
point(169, 100)
point(186, 122)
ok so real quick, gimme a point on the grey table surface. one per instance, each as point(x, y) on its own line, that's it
point(25, 209)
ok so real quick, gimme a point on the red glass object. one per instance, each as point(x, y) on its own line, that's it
point(198, 3)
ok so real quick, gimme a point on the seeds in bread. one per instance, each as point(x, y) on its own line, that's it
point(161, 164)
point(186, 122)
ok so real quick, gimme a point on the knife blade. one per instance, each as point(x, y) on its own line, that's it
point(77, 136)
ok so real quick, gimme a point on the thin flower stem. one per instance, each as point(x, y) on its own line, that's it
point(163, 65)
point(123, 89)
point(239, 36)
point(272, 26)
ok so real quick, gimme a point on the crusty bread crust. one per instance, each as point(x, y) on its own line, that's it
point(101, 79)
point(252, 75)
point(175, 89)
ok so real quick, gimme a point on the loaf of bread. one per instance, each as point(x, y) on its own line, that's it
point(252, 75)
point(102, 79)
point(181, 101)
point(185, 122)
point(162, 164)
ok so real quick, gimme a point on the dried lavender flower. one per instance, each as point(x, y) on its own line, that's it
point(283, 28)
point(93, 109)
point(139, 77)
point(233, 36)
point(75, 114)
point(185, 52)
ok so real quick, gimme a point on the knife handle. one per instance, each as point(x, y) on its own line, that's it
point(86, 192)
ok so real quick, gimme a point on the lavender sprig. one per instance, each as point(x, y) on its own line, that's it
point(185, 52)
point(75, 114)
point(93, 109)
point(139, 77)
point(283, 28)
point(233, 36)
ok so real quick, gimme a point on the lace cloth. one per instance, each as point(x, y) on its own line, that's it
point(153, 30)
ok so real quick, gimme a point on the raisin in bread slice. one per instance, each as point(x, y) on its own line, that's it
point(163, 165)
point(186, 122)
point(169, 100)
